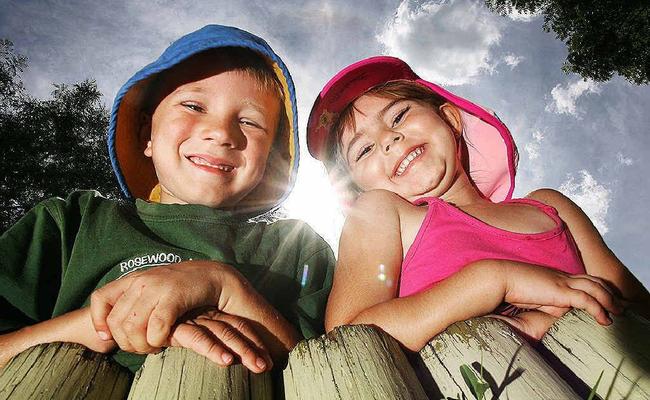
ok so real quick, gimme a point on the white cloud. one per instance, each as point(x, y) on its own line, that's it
point(448, 42)
point(565, 98)
point(516, 15)
point(512, 60)
point(592, 197)
point(624, 160)
point(532, 147)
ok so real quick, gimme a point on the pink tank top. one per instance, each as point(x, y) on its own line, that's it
point(450, 239)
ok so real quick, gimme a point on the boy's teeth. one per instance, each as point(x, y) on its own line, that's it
point(407, 160)
point(201, 161)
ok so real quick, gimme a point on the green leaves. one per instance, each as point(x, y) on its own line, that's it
point(476, 383)
point(50, 147)
point(602, 37)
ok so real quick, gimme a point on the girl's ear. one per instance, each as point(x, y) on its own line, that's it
point(144, 134)
point(451, 114)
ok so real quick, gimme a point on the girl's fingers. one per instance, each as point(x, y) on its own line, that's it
point(597, 289)
point(240, 342)
point(584, 301)
point(617, 302)
point(200, 340)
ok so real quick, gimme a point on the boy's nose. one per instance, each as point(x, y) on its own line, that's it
point(228, 135)
point(389, 139)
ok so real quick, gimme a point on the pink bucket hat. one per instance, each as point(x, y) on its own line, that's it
point(492, 153)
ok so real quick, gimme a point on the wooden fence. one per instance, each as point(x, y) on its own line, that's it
point(477, 358)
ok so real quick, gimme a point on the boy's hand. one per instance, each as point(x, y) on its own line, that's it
point(223, 339)
point(74, 326)
point(139, 310)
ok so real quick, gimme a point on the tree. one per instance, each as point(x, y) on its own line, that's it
point(603, 37)
point(49, 147)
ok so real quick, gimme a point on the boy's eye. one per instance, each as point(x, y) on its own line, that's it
point(363, 152)
point(248, 122)
point(400, 115)
point(193, 107)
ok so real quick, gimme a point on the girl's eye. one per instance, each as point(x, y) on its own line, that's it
point(363, 152)
point(193, 107)
point(400, 115)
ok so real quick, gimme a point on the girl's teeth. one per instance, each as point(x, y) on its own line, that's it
point(405, 163)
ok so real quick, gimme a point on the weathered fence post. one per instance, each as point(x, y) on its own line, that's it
point(509, 365)
point(63, 371)
point(352, 362)
point(587, 349)
point(179, 373)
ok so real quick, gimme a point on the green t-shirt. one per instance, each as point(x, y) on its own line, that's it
point(62, 250)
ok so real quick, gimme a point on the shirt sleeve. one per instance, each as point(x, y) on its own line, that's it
point(315, 278)
point(33, 255)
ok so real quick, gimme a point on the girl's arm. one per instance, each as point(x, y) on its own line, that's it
point(599, 260)
point(75, 326)
point(366, 278)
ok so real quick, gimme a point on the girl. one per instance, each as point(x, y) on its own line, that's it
point(433, 236)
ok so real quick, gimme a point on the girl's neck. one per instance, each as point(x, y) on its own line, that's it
point(462, 193)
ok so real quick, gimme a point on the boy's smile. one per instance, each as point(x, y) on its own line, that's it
point(211, 135)
point(400, 145)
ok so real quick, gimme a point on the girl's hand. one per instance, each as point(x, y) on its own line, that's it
point(224, 339)
point(532, 324)
point(550, 291)
point(139, 310)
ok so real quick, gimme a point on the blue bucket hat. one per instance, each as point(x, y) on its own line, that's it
point(135, 173)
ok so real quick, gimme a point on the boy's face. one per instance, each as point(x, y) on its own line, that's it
point(211, 135)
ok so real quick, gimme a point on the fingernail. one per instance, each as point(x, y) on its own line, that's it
point(103, 335)
point(227, 358)
point(260, 363)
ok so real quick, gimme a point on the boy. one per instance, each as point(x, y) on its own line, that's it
point(208, 134)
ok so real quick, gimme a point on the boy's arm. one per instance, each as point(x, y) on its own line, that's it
point(365, 283)
point(74, 327)
point(140, 310)
point(599, 260)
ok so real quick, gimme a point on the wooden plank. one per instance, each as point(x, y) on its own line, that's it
point(179, 373)
point(63, 371)
point(511, 367)
point(586, 348)
point(352, 362)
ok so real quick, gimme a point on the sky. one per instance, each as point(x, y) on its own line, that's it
point(590, 140)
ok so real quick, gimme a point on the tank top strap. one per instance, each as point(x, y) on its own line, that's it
point(548, 210)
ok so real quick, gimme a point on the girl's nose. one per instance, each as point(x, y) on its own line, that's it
point(389, 140)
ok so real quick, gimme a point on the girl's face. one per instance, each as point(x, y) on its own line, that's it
point(402, 146)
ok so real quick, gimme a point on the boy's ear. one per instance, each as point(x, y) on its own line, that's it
point(144, 133)
point(451, 115)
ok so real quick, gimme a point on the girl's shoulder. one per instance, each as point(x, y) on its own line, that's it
point(550, 197)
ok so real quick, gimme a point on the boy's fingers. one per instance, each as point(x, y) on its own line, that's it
point(101, 304)
point(247, 330)
point(250, 355)
point(135, 324)
point(198, 339)
point(117, 318)
point(160, 322)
